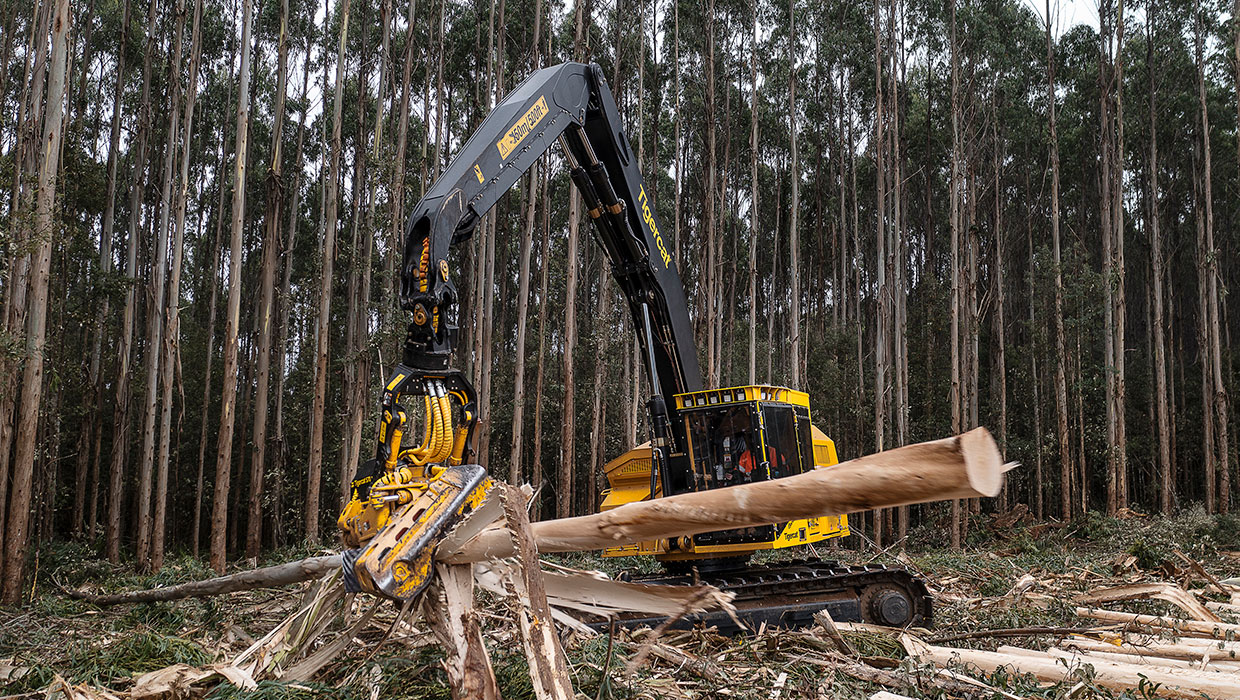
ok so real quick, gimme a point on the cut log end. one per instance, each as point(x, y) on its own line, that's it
point(983, 463)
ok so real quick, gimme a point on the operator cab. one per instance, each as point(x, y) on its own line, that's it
point(734, 436)
point(746, 434)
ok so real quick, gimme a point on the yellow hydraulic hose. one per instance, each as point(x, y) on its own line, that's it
point(445, 449)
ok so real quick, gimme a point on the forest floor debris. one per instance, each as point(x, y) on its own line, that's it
point(1025, 615)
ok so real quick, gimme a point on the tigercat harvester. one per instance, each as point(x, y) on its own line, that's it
point(701, 438)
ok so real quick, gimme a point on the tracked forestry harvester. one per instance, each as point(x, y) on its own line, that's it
point(701, 438)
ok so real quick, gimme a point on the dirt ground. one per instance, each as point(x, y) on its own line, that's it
point(975, 590)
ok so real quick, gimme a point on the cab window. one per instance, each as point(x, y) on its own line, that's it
point(725, 446)
point(781, 440)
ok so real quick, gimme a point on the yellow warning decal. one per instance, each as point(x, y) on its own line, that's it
point(478, 173)
point(517, 133)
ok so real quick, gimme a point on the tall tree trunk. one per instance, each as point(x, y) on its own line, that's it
point(315, 470)
point(1121, 305)
point(1213, 322)
point(1166, 491)
point(172, 338)
point(564, 487)
point(156, 309)
point(17, 534)
point(602, 330)
point(95, 425)
point(794, 214)
point(121, 418)
point(266, 286)
point(1038, 486)
point(1061, 361)
point(956, 301)
point(1000, 291)
point(537, 465)
point(286, 304)
point(523, 304)
point(753, 197)
point(223, 463)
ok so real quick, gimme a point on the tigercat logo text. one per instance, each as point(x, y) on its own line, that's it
point(517, 133)
point(648, 217)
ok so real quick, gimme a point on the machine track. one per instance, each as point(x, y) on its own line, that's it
point(788, 594)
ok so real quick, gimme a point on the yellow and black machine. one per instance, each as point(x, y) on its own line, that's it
point(700, 438)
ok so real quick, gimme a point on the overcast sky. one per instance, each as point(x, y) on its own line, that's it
point(1068, 13)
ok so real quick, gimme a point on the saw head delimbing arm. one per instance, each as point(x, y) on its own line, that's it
point(570, 104)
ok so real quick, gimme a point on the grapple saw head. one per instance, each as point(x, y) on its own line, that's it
point(406, 498)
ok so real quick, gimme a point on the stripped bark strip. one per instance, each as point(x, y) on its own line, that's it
point(456, 626)
point(548, 668)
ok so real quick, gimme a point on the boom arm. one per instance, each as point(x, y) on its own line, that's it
point(570, 103)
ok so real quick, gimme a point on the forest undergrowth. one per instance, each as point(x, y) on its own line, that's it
point(52, 635)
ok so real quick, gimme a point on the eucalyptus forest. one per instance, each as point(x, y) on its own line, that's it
point(929, 216)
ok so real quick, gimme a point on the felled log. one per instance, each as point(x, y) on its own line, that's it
point(1179, 652)
point(1187, 628)
point(1167, 592)
point(965, 466)
point(268, 576)
point(1169, 682)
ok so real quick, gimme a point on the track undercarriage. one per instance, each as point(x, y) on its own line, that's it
point(788, 594)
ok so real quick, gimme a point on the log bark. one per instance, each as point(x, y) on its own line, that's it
point(1173, 683)
point(268, 576)
point(1167, 592)
point(966, 466)
point(1184, 628)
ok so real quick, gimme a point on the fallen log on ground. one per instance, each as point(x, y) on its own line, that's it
point(1184, 628)
point(268, 576)
point(1166, 592)
point(1171, 682)
point(965, 466)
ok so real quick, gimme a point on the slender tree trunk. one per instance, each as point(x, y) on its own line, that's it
point(1166, 491)
point(172, 338)
point(753, 203)
point(564, 487)
point(1000, 292)
point(156, 311)
point(1038, 486)
point(536, 464)
point(602, 329)
point(794, 214)
point(523, 304)
point(17, 534)
point(121, 419)
point(1213, 321)
point(1061, 383)
point(1121, 305)
point(677, 143)
point(286, 304)
point(223, 463)
point(315, 470)
point(956, 302)
point(95, 426)
point(266, 286)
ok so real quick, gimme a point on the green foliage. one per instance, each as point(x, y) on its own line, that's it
point(131, 655)
point(1147, 557)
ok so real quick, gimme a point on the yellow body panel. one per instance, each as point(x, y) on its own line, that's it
point(629, 478)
